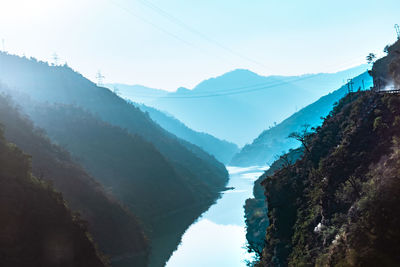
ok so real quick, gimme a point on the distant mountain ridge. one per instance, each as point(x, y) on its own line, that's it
point(222, 150)
point(98, 116)
point(272, 142)
point(141, 93)
point(234, 97)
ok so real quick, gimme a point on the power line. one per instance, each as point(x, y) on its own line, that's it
point(175, 20)
point(396, 26)
point(129, 11)
point(194, 31)
point(245, 89)
point(238, 90)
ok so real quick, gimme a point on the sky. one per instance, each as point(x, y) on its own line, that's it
point(167, 44)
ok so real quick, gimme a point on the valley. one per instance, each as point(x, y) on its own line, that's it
point(150, 133)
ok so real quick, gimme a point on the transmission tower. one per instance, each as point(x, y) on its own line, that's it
point(350, 85)
point(396, 26)
point(55, 59)
point(99, 78)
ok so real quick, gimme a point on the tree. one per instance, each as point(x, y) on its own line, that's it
point(301, 136)
point(284, 158)
point(371, 58)
point(386, 49)
point(355, 184)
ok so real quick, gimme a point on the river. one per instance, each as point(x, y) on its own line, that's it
point(218, 237)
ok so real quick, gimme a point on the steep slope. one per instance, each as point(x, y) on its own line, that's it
point(36, 228)
point(138, 179)
point(256, 211)
point(199, 171)
point(338, 205)
point(115, 230)
point(241, 94)
point(384, 70)
point(141, 94)
point(222, 150)
point(60, 84)
point(273, 141)
point(132, 177)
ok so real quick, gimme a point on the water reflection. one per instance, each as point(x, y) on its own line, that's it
point(218, 237)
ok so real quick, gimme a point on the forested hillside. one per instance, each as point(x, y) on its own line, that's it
point(36, 227)
point(150, 170)
point(222, 150)
point(114, 228)
point(338, 205)
point(256, 210)
point(239, 104)
point(273, 141)
point(132, 177)
point(60, 84)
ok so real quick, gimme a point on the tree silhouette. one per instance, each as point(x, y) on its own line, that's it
point(370, 58)
point(302, 136)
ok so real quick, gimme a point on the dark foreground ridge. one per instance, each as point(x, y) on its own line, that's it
point(339, 204)
point(164, 181)
point(36, 228)
point(115, 229)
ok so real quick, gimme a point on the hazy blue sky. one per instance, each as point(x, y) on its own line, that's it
point(131, 42)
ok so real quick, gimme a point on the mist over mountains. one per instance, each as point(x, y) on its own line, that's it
point(272, 142)
point(222, 150)
point(154, 174)
point(153, 133)
point(222, 106)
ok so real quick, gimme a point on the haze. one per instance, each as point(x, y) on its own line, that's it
point(168, 44)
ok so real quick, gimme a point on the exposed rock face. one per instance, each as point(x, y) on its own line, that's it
point(386, 71)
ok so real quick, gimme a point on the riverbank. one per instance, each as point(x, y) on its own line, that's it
point(220, 231)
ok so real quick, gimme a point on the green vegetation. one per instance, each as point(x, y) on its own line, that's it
point(273, 141)
point(256, 211)
point(244, 102)
point(222, 150)
point(165, 181)
point(36, 227)
point(114, 228)
point(107, 153)
point(338, 204)
point(331, 207)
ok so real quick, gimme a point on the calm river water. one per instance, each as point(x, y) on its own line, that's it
point(218, 237)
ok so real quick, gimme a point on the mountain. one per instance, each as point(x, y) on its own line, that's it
point(385, 69)
point(124, 174)
point(140, 93)
point(222, 106)
point(97, 120)
point(338, 204)
point(117, 232)
point(36, 227)
point(274, 141)
point(222, 150)
point(255, 209)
